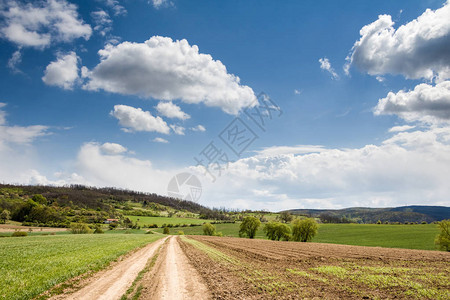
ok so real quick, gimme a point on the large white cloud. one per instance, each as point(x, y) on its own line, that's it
point(135, 119)
point(39, 23)
point(170, 110)
point(425, 103)
point(120, 170)
point(164, 69)
point(418, 49)
point(63, 72)
point(408, 168)
point(18, 134)
point(18, 160)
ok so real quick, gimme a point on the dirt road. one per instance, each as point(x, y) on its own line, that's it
point(172, 277)
point(113, 283)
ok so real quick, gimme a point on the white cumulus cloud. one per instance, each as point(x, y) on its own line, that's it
point(63, 72)
point(418, 49)
point(135, 119)
point(178, 129)
point(39, 23)
point(408, 168)
point(164, 69)
point(170, 110)
point(112, 149)
point(120, 171)
point(427, 103)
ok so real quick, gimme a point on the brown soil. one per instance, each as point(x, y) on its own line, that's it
point(266, 249)
point(12, 228)
point(288, 270)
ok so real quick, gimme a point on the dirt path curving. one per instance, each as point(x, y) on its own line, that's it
point(113, 283)
point(174, 278)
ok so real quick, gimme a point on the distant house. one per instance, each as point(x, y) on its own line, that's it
point(109, 221)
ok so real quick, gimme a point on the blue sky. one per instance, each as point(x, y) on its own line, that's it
point(127, 93)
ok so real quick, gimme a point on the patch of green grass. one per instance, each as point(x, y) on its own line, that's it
point(32, 265)
point(307, 275)
point(391, 236)
point(332, 270)
point(408, 281)
point(166, 220)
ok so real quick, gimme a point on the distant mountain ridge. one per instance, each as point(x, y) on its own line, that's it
point(413, 213)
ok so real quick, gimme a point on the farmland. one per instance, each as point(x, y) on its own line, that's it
point(208, 267)
point(34, 264)
point(392, 236)
point(236, 268)
point(166, 220)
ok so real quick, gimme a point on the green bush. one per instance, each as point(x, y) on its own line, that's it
point(19, 233)
point(38, 198)
point(249, 226)
point(209, 229)
point(80, 228)
point(277, 231)
point(180, 232)
point(304, 230)
point(98, 229)
point(443, 239)
point(149, 232)
point(166, 230)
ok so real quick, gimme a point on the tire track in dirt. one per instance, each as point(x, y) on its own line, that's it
point(113, 283)
point(174, 277)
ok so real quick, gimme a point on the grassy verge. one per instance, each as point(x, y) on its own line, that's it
point(32, 265)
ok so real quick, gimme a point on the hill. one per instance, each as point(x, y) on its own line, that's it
point(401, 214)
point(59, 206)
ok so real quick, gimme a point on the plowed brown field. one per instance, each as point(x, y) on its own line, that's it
point(236, 268)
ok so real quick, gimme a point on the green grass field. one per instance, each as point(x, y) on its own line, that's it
point(166, 220)
point(32, 265)
point(390, 236)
